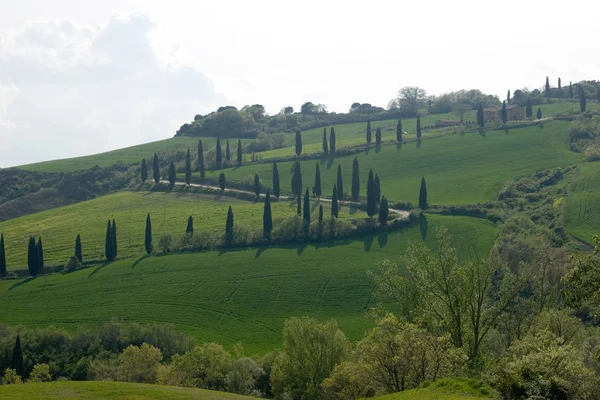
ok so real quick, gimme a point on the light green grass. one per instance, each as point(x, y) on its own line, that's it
point(108, 390)
point(582, 204)
point(446, 389)
point(239, 295)
point(58, 227)
point(458, 169)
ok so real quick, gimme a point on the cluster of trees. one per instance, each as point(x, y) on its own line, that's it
point(35, 256)
point(110, 242)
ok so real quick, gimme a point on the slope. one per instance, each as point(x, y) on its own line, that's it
point(582, 204)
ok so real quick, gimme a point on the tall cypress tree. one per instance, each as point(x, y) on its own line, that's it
point(570, 89)
point(334, 202)
point(144, 172)
point(480, 118)
point(240, 155)
point(320, 213)
point(218, 155)
point(582, 100)
point(256, 185)
point(399, 131)
point(419, 133)
point(188, 168)
point(508, 97)
point(306, 214)
point(369, 131)
point(229, 227)
point(155, 169)
point(172, 174)
point(298, 143)
point(503, 113)
point(340, 182)
point(317, 188)
point(78, 249)
point(332, 141)
point(40, 252)
point(267, 217)
point(32, 257)
point(297, 179)
point(108, 243)
point(148, 235)
point(539, 113)
point(383, 211)
point(371, 203)
point(276, 190)
point(222, 181)
point(528, 109)
point(547, 89)
point(17, 358)
point(325, 145)
point(355, 180)
point(114, 237)
point(423, 195)
point(227, 151)
point(189, 229)
point(201, 166)
point(378, 137)
point(377, 189)
point(559, 88)
point(2, 257)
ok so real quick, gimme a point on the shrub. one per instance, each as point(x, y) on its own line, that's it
point(205, 366)
point(40, 373)
point(243, 376)
point(73, 264)
point(11, 377)
point(139, 364)
point(592, 152)
point(103, 369)
point(165, 243)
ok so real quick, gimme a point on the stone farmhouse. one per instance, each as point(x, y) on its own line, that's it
point(513, 113)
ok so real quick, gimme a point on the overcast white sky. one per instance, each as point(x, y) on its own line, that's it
point(79, 77)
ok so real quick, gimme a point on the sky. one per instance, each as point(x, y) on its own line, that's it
point(79, 77)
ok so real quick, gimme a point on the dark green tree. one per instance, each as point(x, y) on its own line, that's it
point(480, 119)
point(201, 166)
point(419, 133)
point(423, 195)
point(222, 181)
point(503, 113)
point(240, 155)
point(276, 190)
point(32, 257)
point(297, 179)
point(306, 214)
point(218, 155)
point(189, 229)
point(378, 137)
point(582, 100)
point(148, 235)
point(298, 143)
point(229, 227)
point(17, 359)
point(399, 131)
point(508, 97)
point(377, 189)
point(2, 257)
point(369, 131)
point(383, 211)
point(108, 243)
point(172, 174)
point(334, 202)
point(371, 202)
point(155, 169)
point(332, 141)
point(317, 188)
point(528, 109)
point(355, 180)
point(227, 151)
point(320, 213)
point(559, 88)
point(114, 238)
point(547, 89)
point(539, 113)
point(570, 90)
point(40, 251)
point(325, 145)
point(188, 168)
point(256, 185)
point(340, 182)
point(267, 217)
point(144, 170)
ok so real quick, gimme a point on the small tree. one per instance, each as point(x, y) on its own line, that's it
point(218, 155)
point(528, 109)
point(378, 137)
point(40, 373)
point(547, 89)
point(32, 257)
point(317, 188)
point(276, 190)
point(229, 227)
point(222, 181)
point(227, 152)
point(189, 230)
point(139, 364)
point(114, 238)
point(371, 203)
point(298, 143)
point(539, 113)
point(240, 155)
point(148, 236)
point(201, 166)
point(155, 169)
point(419, 133)
point(508, 97)
point(325, 145)
point(369, 131)
point(11, 377)
point(108, 243)
point(582, 100)
point(334, 202)
point(504, 113)
point(297, 179)
point(480, 118)
point(377, 189)
point(17, 358)
point(332, 141)
point(257, 185)
point(172, 174)
point(78, 250)
point(423, 195)
point(355, 180)
point(3, 257)
point(383, 211)
point(144, 172)
point(188, 168)
point(399, 131)
point(267, 217)
point(340, 182)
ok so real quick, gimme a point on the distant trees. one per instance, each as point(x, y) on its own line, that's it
point(423, 195)
point(297, 179)
point(528, 109)
point(340, 182)
point(503, 113)
point(256, 185)
point(582, 100)
point(378, 137)
point(480, 118)
point(371, 202)
point(109, 243)
point(188, 168)
point(17, 358)
point(298, 143)
point(227, 151)
point(399, 131)
point(155, 169)
point(144, 171)
point(78, 249)
point(267, 217)
point(3, 257)
point(218, 155)
point(355, 180)
point(200, 161)
point(325, 145)
point(547, 88)
point(539, 113)
point(508, 96)
point(317, 188)
point(383, 211)
point(419, 127)
point(222, 181)
point(148, 235)
point(411, 98)
point(229, 227)
point(369, 131)
point(334, 202)
point(570, 90)
point(332, 141)
point(276, 189)
point(172, 174)
point(240, 155)
point(189, 229)
point(559, 88)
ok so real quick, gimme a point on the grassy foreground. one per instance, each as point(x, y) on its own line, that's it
point(241, 295)
point(446, 389)
point(108, 390)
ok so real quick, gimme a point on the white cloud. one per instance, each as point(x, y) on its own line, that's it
point(68, 90)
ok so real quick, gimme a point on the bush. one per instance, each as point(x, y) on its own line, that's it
point(205, 366)
point(103, 369)
point(243, 376)
point(592, 152)
point(73, 264)
point(11, 377)
point(40, 373)
point(165, 243)
point(139, 364)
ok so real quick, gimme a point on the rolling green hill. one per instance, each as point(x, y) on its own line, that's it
point(446, 389)
point(230, 296)
point(582, 204)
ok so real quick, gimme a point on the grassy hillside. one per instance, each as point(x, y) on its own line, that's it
point(446, 389)
point(108, 390)
point(583, 203)
point(241, 295)
point(169, 212)
point(458, 169)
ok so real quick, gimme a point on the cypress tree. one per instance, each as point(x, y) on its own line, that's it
point(2, 257)
point(188, 168)
point(547, 89)
point(332, 141)
point(267, 217)
point(229, 227)
point(201, 165)
point(419, 127)
point(172, 174)
point(297, 179)
point(317, 188)
point(378, 137)
point(17, 358)
point(227, 152)
point(325, 146)
point(528, 109)
point(399, 131)
point(423, 195)
point(256, 185)
point(114, 236)
point(334, 202)
point(371, 203)
point(306, 214)
point(218, 155)
point(40, 252)
point(320, 213)
point(32, 257)
point(508, 97)
point(275, 180)
point(108, 243)
point(480, 118)
point(355, 180)
point(582, 100)
point(383, 211)
point(298, 205)
point(156, 169)
point(148, 236)
point(503, 113)
point(144, 170)
point(340, 182)
point(570, 89)
point(369, 131)
point(377, 189)
point(539, 113)
point(78, 249)
point(559, 88)
point(222, 181)
point(189, 229)
point(240, 155)
point(298, 143)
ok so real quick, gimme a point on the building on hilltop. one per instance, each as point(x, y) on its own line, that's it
point(513, 113)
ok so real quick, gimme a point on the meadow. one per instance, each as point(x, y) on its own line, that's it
point(582, 205)
point(446, 389)
point(234, 295)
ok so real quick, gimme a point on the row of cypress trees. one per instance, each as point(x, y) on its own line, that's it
point(317, 190)
point(35, 256)
point(399, 132)
point(329, 146)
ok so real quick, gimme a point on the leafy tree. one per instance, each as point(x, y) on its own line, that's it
point(423, 195)
point(355, 180)
point(583, 280)
point(267, 217)
point(188, 168)
point(276, 189)
point(297, 179)
point(298, 143)
point(256, 185)
point(383, 211)
point(240, 156)
point(570, 90)
point(148, 236)
point(156, 169)
point(139, 364)
point(377, 189)
point(306, 214)
point(222, 181)
point(378, 137)
point(218, 155)
point(40, 373)
point(411, 98)
point(334, 202)
point(189, 230)
point(205, 366)
point(325, 146)
point(480, 118)
point(144, 170)
point(539, 113)
point(547, 89)
point(201, 165)
point(371, 199)
point(2, 257)
point(17, 358)
point(332, 141)
point(340, 182)
point(369, 131)
point(528, 109)
point(108, 243)
point(243, 376)
point(229, 227)
point(317, 188)
point(78, 250)
point(503, 113)
point(32, 257)
point(419, 133)
point(227, 151)
point(399, 131)
point(582, 100)
point(40, 251)
point(114, 238)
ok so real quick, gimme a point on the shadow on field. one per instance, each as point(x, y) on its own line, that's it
point(139, 260)
point(367, 150)
point(301, 247)
point(382, 239)
point(506, 130)
point(398, 146)
point(260, 250)
point(482, 132)
point(377, 149)
point(368, 242)
point(97, 269)
point(540, 125)
point(423, 226)
point(330, 161)
point(418, 143)
point(21, 283)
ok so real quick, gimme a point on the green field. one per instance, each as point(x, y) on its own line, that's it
point(108, 390)
point(458, 169)
point(230, 296)
point(582, 204)
point(446, 389)
point(58, 227)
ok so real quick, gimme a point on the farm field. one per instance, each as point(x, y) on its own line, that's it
point(230, 296)
point(582, 205)
point(458, 169)
point(169, 212)
point(109, 390)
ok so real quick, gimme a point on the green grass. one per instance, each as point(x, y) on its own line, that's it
point(108, 390)
point(239, 295)
point(58, 227)
point(458, 169)
point(446, 389)
point(582, 204)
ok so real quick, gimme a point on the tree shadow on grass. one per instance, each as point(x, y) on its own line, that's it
point(481, 132)
point(368, 242)
point(382, 239)
point(540, 125)
point(301, 247)
point(505, 129)
point(330, 161)
point(418, 143)
point(139, 260)
point(97, 269)
point(398, 146)
point(423, 226)
point(260, 250)
point(377, 149)
point(21, 282)
point(367, 150)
